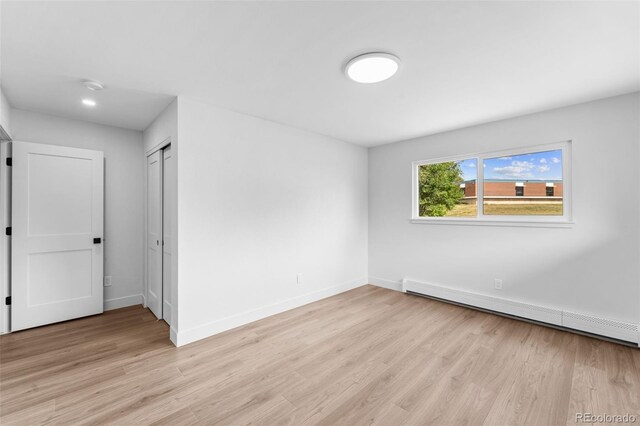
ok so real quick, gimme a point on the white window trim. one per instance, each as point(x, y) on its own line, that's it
point(564, 221)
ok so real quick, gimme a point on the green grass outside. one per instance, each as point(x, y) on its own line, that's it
point(466, 210)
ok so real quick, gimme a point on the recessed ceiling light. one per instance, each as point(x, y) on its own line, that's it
point(89, 102)
point(372, 67)
point(93, 85)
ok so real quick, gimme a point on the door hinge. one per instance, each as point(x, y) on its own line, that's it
point(7, 231)
point(7, 300)
point(9, 162)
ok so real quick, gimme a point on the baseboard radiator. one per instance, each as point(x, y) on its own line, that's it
point(617, 331)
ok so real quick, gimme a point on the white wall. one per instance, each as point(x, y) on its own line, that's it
point(5, 113)
point(591, 268)
point(259, 202)
point(124, 196)
point(164, 127)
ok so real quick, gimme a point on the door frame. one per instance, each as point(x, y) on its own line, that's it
point(5, 240)
point(167, 239)
point(159, 147)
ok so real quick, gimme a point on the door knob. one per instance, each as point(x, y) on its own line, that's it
point(97, 240)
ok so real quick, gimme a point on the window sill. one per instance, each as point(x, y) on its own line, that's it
point(494, 222)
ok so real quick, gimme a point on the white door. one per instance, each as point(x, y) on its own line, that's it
point(154, 233)
point(57, 231)
point(167, 200)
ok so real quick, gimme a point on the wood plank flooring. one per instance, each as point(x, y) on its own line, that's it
point(368, 356)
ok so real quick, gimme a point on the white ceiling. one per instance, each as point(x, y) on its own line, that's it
point(463, 63)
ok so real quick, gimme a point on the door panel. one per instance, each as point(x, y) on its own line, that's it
point(167, 200)
point(59, 276)
point(57, 211)
point(154, 233)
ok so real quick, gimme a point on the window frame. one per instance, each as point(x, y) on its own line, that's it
point(566, 220)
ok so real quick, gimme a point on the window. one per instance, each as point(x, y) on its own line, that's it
point(524, 185)
point(530, 172)
point(448, 189)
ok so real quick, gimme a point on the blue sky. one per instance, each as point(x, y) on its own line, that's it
point(545, 165)
point(469, 169)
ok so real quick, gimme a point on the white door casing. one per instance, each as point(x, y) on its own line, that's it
point(57, 212)
point(5, 240)
point(154, 233)
point(167, 200)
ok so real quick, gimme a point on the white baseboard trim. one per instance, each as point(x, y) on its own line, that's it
point(122, 302)
point(620, 330)
point(173, 336)
point(381, 282)
point(182, 338)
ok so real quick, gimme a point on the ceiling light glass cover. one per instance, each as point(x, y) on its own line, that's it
point(372, 67)
point(93, 85)
point(89, 102)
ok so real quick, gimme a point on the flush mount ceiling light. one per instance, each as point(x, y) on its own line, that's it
point(89, 102)
point(93, 85)
point(372, 67)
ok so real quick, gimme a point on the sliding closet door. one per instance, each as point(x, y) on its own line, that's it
point(167, 200)
point(154, 233)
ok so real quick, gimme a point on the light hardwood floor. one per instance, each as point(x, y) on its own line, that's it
point(367, 356)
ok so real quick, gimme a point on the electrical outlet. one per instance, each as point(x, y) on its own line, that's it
point(107, 281)
point(497, 284)
point(300, 279)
